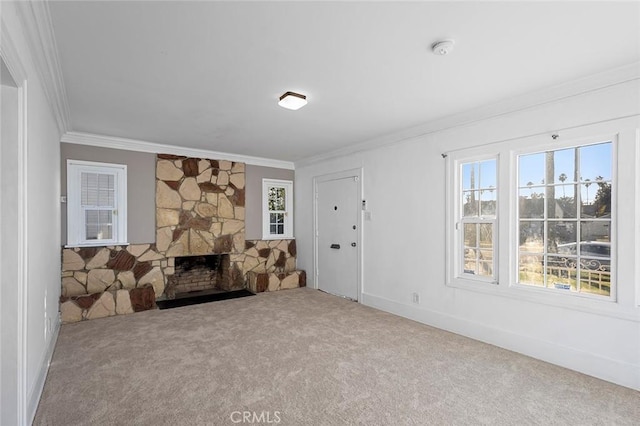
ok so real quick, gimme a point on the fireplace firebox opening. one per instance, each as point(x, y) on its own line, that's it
point(206, 273)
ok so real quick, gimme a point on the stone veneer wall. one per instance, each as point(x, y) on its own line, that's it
point(199, 206)
point(123, 272)
point(269, 256)
point(112, 280)
point(199, 210)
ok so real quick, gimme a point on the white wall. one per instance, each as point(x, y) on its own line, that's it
point(42, 287)
point(404, 243)
point(8, 254)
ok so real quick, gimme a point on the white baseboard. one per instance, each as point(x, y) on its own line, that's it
point(604, 368)
point(33, 399)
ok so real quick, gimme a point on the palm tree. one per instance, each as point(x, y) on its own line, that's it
point(562, 178)
point(587, 184)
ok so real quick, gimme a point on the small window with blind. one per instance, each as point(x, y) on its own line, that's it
point(96, 203)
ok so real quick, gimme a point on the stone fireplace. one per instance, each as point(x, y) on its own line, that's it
point(198, 274)
point(200, 212)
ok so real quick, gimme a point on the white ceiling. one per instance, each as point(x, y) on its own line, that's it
point(208, 75)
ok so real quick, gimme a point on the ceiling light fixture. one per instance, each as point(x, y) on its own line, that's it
point(442, 48)
point(292, 100)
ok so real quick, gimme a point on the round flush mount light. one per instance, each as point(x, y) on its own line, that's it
point(292, 100)
point(442, 48)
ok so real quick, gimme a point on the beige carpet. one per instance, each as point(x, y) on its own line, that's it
point(302, 357)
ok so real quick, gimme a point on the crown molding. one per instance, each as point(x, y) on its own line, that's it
point(36, 20)
point(158, 148)
point(526, 101)
point(10, 56)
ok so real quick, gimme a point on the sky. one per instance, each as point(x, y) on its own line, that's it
point(594, 160)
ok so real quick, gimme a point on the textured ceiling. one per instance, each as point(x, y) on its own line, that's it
point(208, 74)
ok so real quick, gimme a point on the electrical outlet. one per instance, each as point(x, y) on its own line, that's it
point(415, 297)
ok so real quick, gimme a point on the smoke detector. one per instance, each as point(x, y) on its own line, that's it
point(442, 48)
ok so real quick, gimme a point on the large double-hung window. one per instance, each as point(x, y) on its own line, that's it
point(545, 224)
point(564, 219)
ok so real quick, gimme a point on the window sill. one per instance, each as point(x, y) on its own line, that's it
point(100, 244)
point(605, 306)
point(278, 237)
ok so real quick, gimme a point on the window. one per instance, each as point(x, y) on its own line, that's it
point(96, 203)
point(477, 219)
point(277, 205)
point(555, 227)
point(565, 219)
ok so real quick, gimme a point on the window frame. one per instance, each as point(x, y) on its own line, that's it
point(76, 227)
point(625, 295)
point(287, 185)
point(456, 277)
point(515, 217)
point(463, 220)
point(506, 241)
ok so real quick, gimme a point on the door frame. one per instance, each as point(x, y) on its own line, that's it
point(357, 173)
point(10, 57)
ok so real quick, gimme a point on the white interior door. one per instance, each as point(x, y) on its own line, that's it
point(337, 221)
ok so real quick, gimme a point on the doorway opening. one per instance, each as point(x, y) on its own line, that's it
point(12, 241)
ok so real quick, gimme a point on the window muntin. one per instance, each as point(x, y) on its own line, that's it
point(277, 197)
point(565, 219)
point(96, 203)
point(277, 204)
point(477, 219)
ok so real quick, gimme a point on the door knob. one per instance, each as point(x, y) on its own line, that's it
point(353, 244)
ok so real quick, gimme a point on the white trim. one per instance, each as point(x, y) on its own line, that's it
point(518, 103)
point(637, 219)
point(544, 145)
point(288, 212)
point(458, 272)
point(23, 259)
point(36, 20)
point(12, 61)
point(36, 392)
point(113, 142)
point(612, 370)
point(358, 174)
point(454, 220)
point(75, 221)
